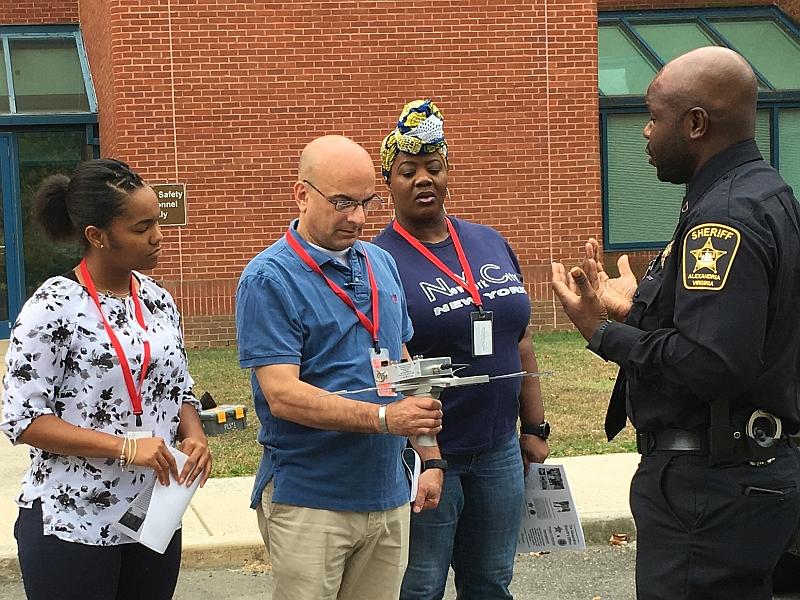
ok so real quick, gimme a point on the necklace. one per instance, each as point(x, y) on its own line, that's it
point(115, 295)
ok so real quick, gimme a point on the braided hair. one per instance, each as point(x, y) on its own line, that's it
point(94, 195)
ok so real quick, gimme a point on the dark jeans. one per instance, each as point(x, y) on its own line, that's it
point(475, 528)
point(712, 533)
point(54, 568)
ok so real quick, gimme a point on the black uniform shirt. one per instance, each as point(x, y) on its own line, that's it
point(718, 312)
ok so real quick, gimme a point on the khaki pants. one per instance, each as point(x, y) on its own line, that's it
point(334, 555)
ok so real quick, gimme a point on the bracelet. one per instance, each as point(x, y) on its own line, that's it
point(123, 461)
point(382, 418)
point(135, 445)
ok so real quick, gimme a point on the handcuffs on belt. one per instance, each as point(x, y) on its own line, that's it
point(764, 428)
point(753, 442)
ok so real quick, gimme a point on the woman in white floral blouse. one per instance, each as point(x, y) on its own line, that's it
point(99, 424)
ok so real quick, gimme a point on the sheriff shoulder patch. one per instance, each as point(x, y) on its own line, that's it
point(708, 253)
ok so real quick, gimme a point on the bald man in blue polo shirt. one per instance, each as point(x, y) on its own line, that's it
point(312, 310)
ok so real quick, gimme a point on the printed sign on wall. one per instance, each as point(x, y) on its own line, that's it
point(171, 203)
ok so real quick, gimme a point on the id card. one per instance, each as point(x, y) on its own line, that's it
point(377, 360)
point(482, 344)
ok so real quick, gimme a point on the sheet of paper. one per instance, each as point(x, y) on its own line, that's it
point(413, 466)
point(549, 518)
point(156, 512)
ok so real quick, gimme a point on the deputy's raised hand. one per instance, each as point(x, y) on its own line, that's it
point(579, 299)
point(615, 293)
point(414, 415)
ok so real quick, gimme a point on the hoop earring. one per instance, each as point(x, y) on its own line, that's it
point(449, 199)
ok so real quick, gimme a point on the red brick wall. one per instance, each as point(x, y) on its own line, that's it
point(97, 38)
point(38, 12)
point(224, 97)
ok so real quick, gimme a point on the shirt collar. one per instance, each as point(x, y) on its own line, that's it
point(732, 157)
point(320, 257)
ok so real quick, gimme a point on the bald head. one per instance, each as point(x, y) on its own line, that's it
point(717, 80)
point(333, 168)
point(330, 154)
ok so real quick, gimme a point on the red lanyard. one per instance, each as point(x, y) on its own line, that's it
point(370, 326)
point(135, 395)
point(469, 285)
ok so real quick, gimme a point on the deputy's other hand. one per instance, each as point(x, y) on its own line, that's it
point(616, 293)
point(414, 415)
point(578, 297)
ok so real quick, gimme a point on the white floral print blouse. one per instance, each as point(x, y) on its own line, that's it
point(60, 361)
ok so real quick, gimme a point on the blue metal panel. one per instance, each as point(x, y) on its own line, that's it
point(12, 99)
point(87, 73)
point(14, 221)
point(774, 138)
point(51, 119)
point(604, 174)
point(59, 30)
point(671, 14)
point(787, 23)
point(6, 185)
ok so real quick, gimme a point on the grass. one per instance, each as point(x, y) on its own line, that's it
point(575, 396)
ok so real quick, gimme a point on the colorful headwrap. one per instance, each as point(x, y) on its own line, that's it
point(420, 130)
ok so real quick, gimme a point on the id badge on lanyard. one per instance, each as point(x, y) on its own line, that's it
point(482, 341)
point(377, 359)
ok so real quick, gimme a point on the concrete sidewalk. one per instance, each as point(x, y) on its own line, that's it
point(219, 529)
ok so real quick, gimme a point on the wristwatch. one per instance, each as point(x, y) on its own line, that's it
point(597, 338)
point(434, 463)
point(542, 430)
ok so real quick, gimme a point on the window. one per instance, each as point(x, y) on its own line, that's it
point(43, 71)
point(41, 153)
point(639, 211)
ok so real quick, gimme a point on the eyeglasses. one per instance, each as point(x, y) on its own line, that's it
point(346, 203)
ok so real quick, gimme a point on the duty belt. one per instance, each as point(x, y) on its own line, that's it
point(675, 440)
point(722, 443)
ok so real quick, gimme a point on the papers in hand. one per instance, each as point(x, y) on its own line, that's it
point(549, 518)
point(413, 465)
point(155, 514)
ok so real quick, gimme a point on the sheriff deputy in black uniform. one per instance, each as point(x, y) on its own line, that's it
point(708, 344)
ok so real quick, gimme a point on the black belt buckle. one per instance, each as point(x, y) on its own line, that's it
point(645, 442)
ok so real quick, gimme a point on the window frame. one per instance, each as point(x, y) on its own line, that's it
point(769, 98)
point(55, 118)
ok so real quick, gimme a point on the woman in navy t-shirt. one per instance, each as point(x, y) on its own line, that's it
point(466, 298)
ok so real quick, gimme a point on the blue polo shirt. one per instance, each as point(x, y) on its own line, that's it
point(287, 314)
